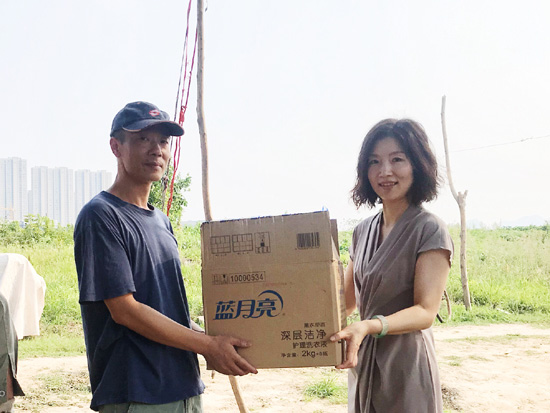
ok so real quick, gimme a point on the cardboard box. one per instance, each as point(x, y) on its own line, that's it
point(278, 282)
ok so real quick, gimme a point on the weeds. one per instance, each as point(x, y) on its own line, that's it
point(330, 387)
point(454, 361)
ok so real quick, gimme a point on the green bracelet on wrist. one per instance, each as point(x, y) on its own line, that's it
point(385, 326)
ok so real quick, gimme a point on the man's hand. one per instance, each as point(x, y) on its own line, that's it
point(222, 356)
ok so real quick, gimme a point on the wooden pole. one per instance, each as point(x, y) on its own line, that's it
point(200, 111)
point(237, 392)
point(204, 153)
point(460, 198)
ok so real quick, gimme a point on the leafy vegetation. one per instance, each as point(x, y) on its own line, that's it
point(332, 386)
point(36, 230)
point(189, 242)
point(158, 197)
point(508, 269)
point(508, 273)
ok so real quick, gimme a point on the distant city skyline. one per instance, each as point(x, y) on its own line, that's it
point(58, 193)
point(290, 90)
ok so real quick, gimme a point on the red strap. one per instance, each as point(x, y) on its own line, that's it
point(184, 93)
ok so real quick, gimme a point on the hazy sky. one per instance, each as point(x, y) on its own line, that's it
point(291, 88)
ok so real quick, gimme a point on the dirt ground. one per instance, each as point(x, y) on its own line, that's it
point(495, 368)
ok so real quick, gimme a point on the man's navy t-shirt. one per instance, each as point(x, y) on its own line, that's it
point(120, 249)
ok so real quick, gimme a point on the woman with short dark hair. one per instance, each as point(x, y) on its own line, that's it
point(399, 264)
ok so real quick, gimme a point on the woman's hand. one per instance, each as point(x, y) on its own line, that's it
point(354, 335)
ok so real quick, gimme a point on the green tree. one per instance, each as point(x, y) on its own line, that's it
point(181, 185)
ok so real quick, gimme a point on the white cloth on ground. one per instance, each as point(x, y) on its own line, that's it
point(25, 291)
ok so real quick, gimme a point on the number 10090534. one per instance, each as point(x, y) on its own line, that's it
point(239, 278)
point(247, 277)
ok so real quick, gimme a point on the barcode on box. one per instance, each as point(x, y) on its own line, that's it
point(308, 240)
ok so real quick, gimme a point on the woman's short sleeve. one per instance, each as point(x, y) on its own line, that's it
point(435, 236)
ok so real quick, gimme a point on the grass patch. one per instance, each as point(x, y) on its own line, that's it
point(454, 361)
point(487, 314)
point(54, 341)
point(508, 272)
point(56, 389)
point(59, 382)
point(330, 387)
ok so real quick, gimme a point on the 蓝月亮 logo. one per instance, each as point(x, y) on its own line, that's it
point(269, 304)
point(154, 112)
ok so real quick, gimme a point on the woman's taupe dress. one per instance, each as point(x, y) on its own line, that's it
point(396, 373)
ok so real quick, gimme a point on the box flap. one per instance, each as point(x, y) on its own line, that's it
point(286, 238)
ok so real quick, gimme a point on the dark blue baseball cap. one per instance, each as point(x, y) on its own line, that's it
point(137, 116)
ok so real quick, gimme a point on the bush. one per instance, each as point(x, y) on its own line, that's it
point(35, 230)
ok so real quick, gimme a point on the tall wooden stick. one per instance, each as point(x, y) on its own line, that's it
point(200, 111)
point(204, 154)
point(460, 198)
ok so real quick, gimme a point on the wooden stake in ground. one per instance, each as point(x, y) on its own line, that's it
point(204, 154)
point(200, 111)
point(460, 198)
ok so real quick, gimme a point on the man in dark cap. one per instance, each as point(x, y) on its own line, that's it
point(140, 341)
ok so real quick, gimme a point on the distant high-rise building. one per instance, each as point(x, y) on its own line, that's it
point(13, 189)
point(52, 194)
point(88, 184)
point(38, 200)
point(63, 196)
point(82, 189)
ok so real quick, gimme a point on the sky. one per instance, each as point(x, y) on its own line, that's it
point(291, 89)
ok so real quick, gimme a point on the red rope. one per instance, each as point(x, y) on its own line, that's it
point(184, 93)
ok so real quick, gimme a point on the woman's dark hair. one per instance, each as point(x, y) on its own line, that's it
point(413, 140)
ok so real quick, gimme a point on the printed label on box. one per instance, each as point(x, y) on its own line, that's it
point(269, 303)
point(239, 278)
point(263, 245)
point(311, 341)
point(308, 240)
point(241, 243)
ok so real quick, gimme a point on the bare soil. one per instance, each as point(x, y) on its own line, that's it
point(494, 368)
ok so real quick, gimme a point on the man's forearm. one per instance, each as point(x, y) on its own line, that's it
point(219, 351)
point(155, 326)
